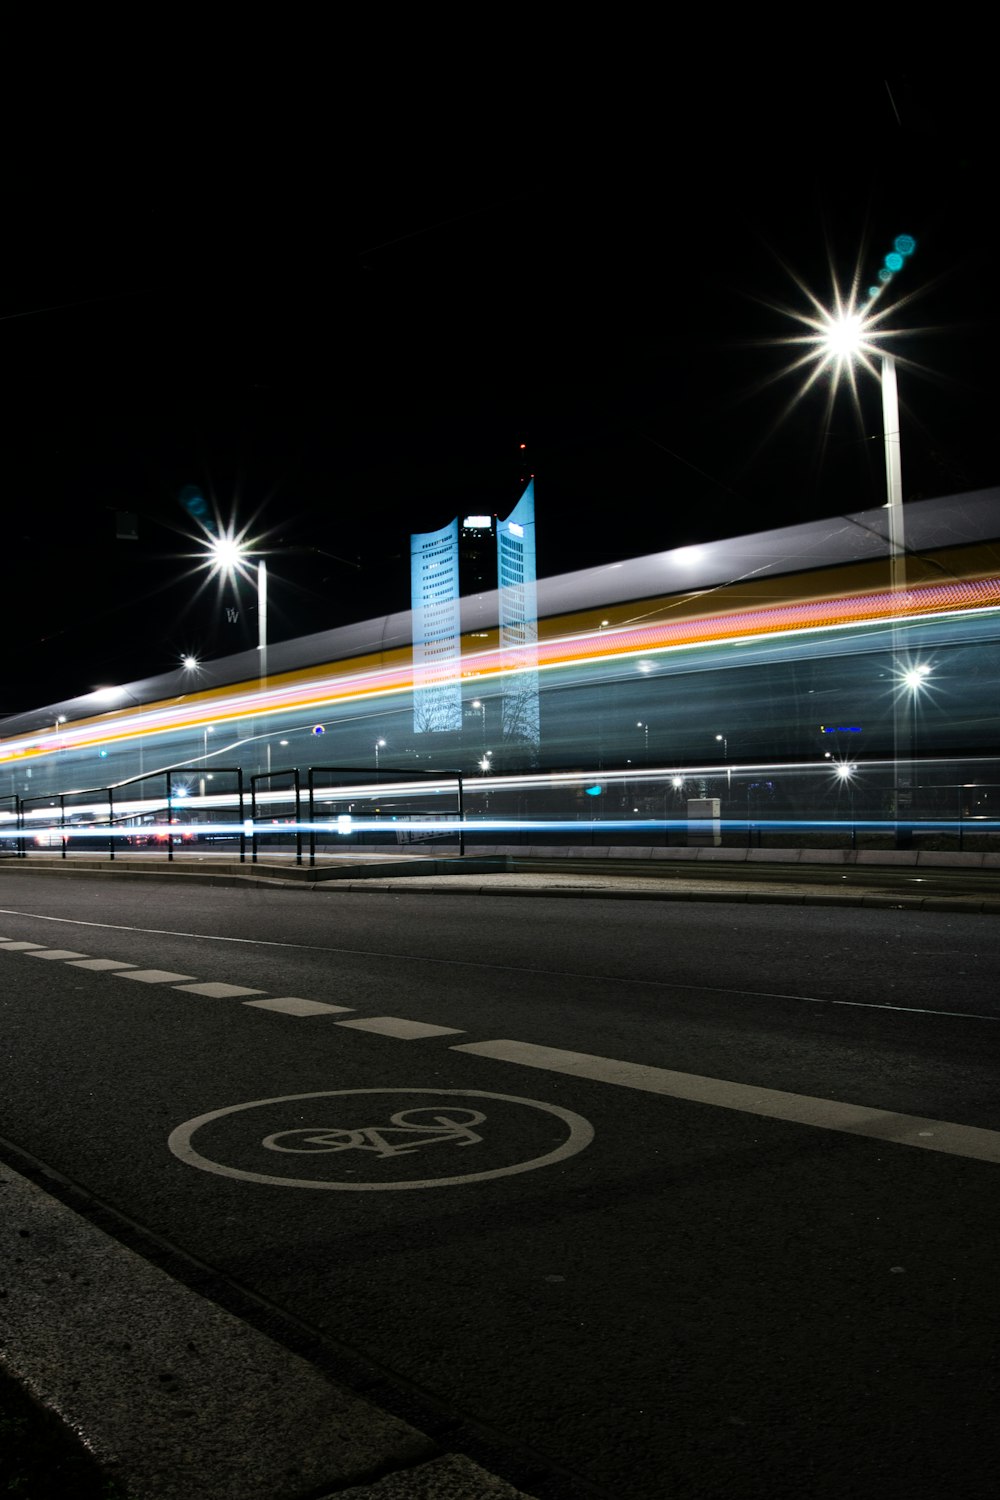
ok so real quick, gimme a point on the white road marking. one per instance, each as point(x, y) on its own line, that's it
point(218, 991)
point(478, 963)
point(153, 976)
point(401, 1027)
point(800, 1109)
point(292, 1005)
point(11, 947)
point(100, 963)
point(56, 953)
point(580, 1133)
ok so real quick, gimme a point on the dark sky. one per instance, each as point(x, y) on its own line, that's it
point(341, 320)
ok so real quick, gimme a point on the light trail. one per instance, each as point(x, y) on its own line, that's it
point(921, 601)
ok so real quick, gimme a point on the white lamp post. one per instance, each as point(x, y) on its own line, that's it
point(723, 740)
point(848, 336)
point(229, 556)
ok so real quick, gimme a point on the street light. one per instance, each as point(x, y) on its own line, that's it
point(480, 706)
point(229, 555)
point(846, 337)
point(844, 771)
point(911, 681)
point(379, 745)
point(725, 756)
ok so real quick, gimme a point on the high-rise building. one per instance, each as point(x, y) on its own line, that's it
point(516, 573)
point(462, 561)
point(477, 555)
point(434, 590)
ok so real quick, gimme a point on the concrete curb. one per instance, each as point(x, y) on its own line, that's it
point(179, 1400)
point(653, 877)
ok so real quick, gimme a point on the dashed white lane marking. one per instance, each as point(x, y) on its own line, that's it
point(63, 953)
point(399, 1026)
point(100, 963)
point(292, 1005)
point(774, 1104)
point(218, 991)
point(11, 947)
point(152, 976)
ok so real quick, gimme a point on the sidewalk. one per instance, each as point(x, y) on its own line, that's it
point(179, 1400)
point(912, 879)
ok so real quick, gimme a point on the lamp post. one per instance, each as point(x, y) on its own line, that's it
point(843, 338)
point(911, 683)
point(229, 555)
point(725, 756)
point(379, 745)
point(480, 707)
point(844, 771)
point(848, 337)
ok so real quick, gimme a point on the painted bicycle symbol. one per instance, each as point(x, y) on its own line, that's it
point(403, 1135)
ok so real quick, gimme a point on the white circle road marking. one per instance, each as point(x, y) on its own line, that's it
point(581, 1133)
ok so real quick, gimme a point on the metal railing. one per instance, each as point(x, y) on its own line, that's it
point(97, 810)
point(269, 777)
point(824, 803)
point(358, 783)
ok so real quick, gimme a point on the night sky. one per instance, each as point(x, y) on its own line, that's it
point(341, 323)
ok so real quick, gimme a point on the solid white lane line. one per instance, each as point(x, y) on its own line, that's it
point(63, 953)
point(400, 1026)
point(216, 990)
point(292, 1005)
point(421, 958)
point(773, 1104)
point(474, 963)
point(915, 1010)
point(152, 976)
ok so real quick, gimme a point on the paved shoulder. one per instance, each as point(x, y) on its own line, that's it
point(178, 1399)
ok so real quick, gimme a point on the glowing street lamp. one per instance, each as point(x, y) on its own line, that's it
point(848, 336)
point(914, 678)
point(724, 742)
point(844, 771)
point(228, 555)
point(480, 707)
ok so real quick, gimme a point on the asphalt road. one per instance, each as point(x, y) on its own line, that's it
point(600, 1242)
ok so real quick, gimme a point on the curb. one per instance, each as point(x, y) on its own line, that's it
point(779, 885)
point(179, 1400)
